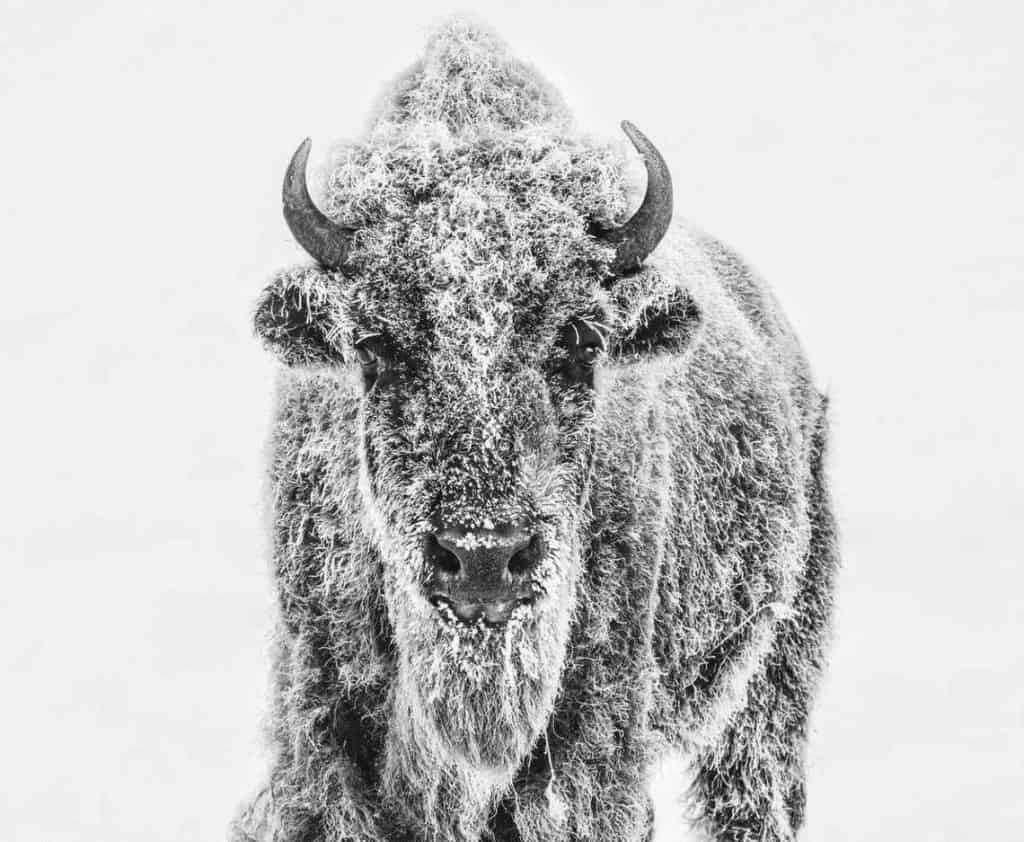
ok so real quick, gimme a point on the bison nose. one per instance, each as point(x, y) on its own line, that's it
point(482, 572)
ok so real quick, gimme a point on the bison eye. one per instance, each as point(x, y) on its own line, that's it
point(581, 344)
point(584, 340)
point(588, 354)
point(370, 353)
point(366, 354)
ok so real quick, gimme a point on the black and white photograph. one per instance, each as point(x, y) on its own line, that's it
point(534, 422)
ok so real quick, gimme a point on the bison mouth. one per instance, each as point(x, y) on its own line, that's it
point(489, 613)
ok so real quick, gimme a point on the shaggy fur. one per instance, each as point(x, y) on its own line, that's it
point(678, 489)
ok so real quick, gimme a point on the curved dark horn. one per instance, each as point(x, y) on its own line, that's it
point(326, 241)
point(638, 237)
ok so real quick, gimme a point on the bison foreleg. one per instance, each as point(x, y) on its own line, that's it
point(750, 784)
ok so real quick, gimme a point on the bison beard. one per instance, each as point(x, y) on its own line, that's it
point(488, 706)
point(469, 702)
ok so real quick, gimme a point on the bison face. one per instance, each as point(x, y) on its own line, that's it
point(476, 447)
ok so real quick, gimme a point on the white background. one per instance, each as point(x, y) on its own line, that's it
point(864, 155)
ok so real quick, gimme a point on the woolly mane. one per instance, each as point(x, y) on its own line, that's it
point(468, 81)
point(470, 189)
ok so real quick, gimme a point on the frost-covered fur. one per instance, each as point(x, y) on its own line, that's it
point(689, 546)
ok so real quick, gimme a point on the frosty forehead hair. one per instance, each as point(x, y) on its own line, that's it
point(472, 207)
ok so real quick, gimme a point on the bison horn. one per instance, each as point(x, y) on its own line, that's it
point(638, 237)
point(326, 241)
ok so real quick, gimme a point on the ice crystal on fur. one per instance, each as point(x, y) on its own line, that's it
point(674, 492)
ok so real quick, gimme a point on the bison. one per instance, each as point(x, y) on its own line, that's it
point(547, 485)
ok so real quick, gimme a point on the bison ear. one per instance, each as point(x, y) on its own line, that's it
point(297, 317)
point(667, 325)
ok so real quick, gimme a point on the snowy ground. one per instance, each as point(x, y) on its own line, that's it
point(865, 157)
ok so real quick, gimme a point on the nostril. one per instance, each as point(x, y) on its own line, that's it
point(437, 556)
point(526, 558)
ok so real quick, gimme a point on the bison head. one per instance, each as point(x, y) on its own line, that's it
point(472, 285)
